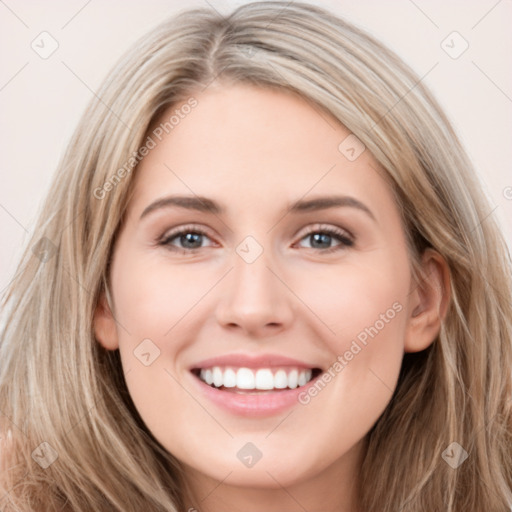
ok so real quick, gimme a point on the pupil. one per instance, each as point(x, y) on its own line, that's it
point(321, 238)
point(190, 240)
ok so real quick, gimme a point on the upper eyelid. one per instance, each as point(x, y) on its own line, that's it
point(186, 228)
point(328, 227)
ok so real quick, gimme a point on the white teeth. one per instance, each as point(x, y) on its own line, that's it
point(229, 378)
point(208, 376)
point(293, 378)
point(217, 377)
point(280, 379)
point(262, 379)
point(244, 378)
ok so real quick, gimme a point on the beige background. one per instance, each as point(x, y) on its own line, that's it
point(41, 99)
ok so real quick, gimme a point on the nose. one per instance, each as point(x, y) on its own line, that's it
point(255, 299)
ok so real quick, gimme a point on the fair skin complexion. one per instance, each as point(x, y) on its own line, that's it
point(255, 152)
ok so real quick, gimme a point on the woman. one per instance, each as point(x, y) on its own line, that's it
point(180, 337)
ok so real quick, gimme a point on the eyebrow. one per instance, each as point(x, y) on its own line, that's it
point(204, 204)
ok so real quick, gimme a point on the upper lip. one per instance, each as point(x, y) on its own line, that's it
point(252, 361)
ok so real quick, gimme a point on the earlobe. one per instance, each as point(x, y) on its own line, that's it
point(105, 325)
point(429, 302)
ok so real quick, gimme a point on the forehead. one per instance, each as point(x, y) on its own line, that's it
point(253, 145)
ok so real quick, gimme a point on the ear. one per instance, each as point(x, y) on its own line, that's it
point(429, 300)
point(105, 325)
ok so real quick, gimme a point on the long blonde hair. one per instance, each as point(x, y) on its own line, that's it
point(62, 395)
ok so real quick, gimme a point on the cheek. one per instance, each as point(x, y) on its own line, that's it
point(155, 303)
point(364, 307)
point(359, 302)
point(153, 296)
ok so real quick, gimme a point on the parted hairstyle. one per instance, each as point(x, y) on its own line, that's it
point(58, 386)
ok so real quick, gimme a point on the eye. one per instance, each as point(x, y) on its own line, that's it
point(189, 238)
point(321, 237)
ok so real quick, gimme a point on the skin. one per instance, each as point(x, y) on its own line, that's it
point(255, 151)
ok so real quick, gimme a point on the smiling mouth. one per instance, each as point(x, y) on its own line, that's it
point(255, 381)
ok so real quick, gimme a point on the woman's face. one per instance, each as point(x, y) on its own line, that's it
point(262, 248)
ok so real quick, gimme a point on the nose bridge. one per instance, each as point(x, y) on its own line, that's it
point(252, 277)
point(253, 284)
point(254, 297)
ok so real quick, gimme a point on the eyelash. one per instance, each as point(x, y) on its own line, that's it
point(346, 240)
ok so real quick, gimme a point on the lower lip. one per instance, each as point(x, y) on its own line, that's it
point(253, 405)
